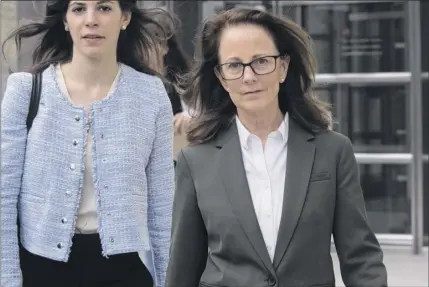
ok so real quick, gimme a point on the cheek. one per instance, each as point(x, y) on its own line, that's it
point(272, 83)
point(74, 32)
point(74, 35)
point(115, 32)
point(235, 98)
point(274, 92)
point(232, 87)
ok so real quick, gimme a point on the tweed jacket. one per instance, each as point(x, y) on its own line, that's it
point(42, 172)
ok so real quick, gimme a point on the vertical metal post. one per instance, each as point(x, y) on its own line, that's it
point(415, 124)
point(170, 5)
point(339, 96)
point(275, 7)
point(298, 15)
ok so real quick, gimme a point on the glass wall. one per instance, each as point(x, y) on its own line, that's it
point(425, 104)
point(363, 58)
point(371, 39)
point(363, 51)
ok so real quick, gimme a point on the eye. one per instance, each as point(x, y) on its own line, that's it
point(233, 65)
point(261, 61)
point(105, 8)
point(77, 9)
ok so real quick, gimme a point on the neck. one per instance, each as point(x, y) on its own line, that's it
point(90, 72)
point(261, 123)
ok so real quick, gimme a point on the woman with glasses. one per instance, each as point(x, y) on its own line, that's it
point(265, 181)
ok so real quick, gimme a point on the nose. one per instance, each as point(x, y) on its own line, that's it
point(91, 18)
point(249, 75)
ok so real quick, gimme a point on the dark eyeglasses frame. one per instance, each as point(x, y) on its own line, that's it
point(249, 64)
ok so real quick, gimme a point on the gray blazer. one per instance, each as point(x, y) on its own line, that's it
point(216, 239)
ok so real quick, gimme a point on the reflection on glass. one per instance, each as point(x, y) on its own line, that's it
point(387, 201)
point(376, 116)
point(366, 37)
point(373, 117)
point(426, 201)
point(212, 7)
point(152, 4)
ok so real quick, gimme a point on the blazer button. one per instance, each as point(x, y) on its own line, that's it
point(271, 280)
point(60, 245)
point(77, 118)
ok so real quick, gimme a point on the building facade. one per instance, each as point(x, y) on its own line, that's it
point(371, 68)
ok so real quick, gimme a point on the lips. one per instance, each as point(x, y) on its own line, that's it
point(252, 92)
point(91, 36)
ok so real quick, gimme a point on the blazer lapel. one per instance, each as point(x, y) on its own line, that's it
point(299, 164)
point(236, 186)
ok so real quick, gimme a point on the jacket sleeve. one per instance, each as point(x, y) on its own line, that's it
point(160, 180)
point(189, 245)
point(359, 253)
point(14, 110)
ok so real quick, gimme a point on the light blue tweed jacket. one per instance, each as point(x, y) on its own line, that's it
point(43, 172)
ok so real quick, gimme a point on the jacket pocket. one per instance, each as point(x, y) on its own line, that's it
point(202, 284)
point(320, 176)
point(331, 284)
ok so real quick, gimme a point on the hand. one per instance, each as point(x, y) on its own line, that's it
point(181, 123)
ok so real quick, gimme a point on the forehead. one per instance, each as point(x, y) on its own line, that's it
point(89, 2)
point(244, 42)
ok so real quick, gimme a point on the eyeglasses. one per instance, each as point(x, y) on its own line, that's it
point(260, 66)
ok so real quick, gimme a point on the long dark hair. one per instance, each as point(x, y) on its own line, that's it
point(176, 60)
point(212, 105)
point(175, 63)
point(56, 46)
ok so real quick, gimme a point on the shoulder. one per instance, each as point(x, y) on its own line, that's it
point(333, 143)
point(18, 88)
point(197, 150)
point(20, 81)
point(150, 87)
point(138, 78)
point(331, 137)
point(201, 153)
point(195, 157)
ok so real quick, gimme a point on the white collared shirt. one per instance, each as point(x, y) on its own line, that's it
point(266, 171)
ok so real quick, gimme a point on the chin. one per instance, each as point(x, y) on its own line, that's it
point(255, 106)
point(93, 55)
point(91, 52)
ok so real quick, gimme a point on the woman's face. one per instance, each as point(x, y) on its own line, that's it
point(94, 27)
point(249, 91)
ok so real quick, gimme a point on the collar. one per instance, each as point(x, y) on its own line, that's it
point(244, 134)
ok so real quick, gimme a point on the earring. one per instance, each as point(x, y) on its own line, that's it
point(124, 27)
point(66, 28)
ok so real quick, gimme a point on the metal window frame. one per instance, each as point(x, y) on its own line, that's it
point(384, 78)
point(415, 184)
point(387, 158)
point(414, 77)
point(308, 3)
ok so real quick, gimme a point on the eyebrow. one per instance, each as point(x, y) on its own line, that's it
point(253, 58)
point(81, 3)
